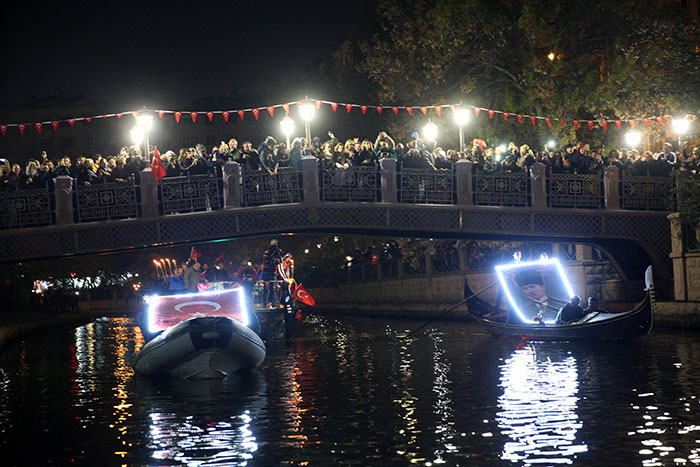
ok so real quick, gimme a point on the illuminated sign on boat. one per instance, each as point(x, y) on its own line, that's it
point(168, 310)
point(536, 289)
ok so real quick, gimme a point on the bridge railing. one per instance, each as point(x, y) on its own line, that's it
point(105, 201)
point(260, 188)
point(26, 208)
point(70, 202)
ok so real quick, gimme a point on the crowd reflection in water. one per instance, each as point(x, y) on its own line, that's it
point(537, 409)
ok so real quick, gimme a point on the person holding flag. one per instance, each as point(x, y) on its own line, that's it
point(157, 167)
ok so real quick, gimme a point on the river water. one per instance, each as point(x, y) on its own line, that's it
point(351, 391)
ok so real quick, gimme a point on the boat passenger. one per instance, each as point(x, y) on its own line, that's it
point(571, 312)
point(176, 281)
point(271, 258)
point(192, 276)
point(593, 306)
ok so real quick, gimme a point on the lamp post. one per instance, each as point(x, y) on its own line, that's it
point(144, 124)
point(680, 127)
point(307, 112)
point(633, 137)
point(461, 118)
point(287, 125)
point(430, 131)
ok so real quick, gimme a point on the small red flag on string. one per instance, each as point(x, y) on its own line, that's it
point(285, 107)
point(576, 124)
point(161, 113)
point(256, 112)
point(562, 122)
point(374, 259)
point(646, 121)
point(88, 119)
point(71, 123)
point(318, 105)
point(210, 116)
point(194, 117)
point(590, 124)
point(299, 103)
point(54, 124)
point(157, 165)
point(225, 114)
point(477, 110)
point(21, 127)
point(119, 115)
point(453, 107)
point(619, 124)
point(396, 110)
point(363, 108)
point(334, 106)
point(438, 110)
point(491, 113)
point(38, 127)
point(3, 128)
point(379, 109)
point(178, 115)
point(271, 111)
point(549, 122)
point(520, 118)
point(533, 120)
point(348, 107)
point(604, 124)
point(660, 119)
point(505, 116)
point(409, 110)
point(633, 123)
point(424, 110)
point(241, 113)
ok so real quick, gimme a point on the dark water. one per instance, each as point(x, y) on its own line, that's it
point(351, 393)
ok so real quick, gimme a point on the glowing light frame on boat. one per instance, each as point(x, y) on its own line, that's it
point(542, 262)
point(200, 298)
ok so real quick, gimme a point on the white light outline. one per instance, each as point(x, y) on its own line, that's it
point(154, 300)
point(504, 267)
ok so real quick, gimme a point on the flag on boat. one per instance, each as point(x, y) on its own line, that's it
point(219, 258)
point(194, 254)
point(303, 296)
point(157, 165)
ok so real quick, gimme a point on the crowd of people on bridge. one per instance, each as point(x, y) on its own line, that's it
point(415, 153)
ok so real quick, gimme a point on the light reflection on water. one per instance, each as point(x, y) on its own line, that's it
point(538, 406)
point(350, 391)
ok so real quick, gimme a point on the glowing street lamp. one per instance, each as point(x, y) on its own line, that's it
point(551, 144)
point(307, 112)
point(144, 124)
point(680, 127)
point(461, 118)
point(287, 125)
point(633, 137)
point(430, 131)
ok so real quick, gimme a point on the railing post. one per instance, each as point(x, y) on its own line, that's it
point(63, 193)
point(388, 177)
point(680, 180)
point(538, 185)
point(309, 175)
point(231, 172)
point(149, 193)
point(611, 185)
point(463, 180)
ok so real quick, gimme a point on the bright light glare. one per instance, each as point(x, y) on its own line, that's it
point(461, 116)
point(633, 137)
point(551, 143)
point(551, 56)
point(680, 125)
point(136, 136)
point(430, 131)
point(287, 125)
point(348, 258)
point(145, 122)
point(307, 111)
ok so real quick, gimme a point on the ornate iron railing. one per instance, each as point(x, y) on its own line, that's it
point(351, 184)
point(262, 188)
point(190, 194)
point(25, 208)
point(426, 186)
point(501, 189)
point(105, 201)
point(575, 191)
point(647, 193)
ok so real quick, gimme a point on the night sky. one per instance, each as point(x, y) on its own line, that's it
point(164, 54)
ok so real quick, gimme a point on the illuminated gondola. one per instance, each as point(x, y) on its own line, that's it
point(601, 326)
point(210, 334)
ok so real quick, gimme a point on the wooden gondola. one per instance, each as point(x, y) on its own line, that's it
point(609, 327)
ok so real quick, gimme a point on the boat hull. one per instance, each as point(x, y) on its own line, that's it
point(201, 348)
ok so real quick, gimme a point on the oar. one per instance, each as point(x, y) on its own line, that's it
point(447, 311)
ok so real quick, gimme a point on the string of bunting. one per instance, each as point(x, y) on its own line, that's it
point(437, 109)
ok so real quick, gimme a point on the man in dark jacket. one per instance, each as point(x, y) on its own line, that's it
point(271, 258)
point(571, 312)
point(268, 156)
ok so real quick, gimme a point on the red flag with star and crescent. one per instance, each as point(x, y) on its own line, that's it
point(157, 165)
point(303, 296)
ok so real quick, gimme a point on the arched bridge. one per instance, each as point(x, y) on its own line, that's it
point(625, 217)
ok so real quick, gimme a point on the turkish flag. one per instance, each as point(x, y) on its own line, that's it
point(303, 296)
point(157, 165)
point(194, 254)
